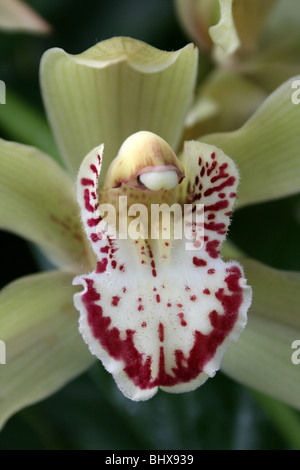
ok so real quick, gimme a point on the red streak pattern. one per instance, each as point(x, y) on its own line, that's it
point(212, 248)
point(210, 179)
point(101, 265)
point(198, 262)
point(161, 332)
point(87, 182)
point(188, 367)
point(115, 300)
point(229, 182)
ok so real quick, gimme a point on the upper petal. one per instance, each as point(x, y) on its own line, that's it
point(116, 88)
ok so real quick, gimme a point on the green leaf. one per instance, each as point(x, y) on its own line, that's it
point(262, 358)
point(44, 350)
point(266, 148)
point(37, 202)
point(285, 418)
point(109, 421)
point(116, 88)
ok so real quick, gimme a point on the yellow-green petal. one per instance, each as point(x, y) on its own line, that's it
point(278, 58)
point(196, 17)
point(250, 17)
point(240, 25)
point(224, 34)
point(116, 88)
point(37, 202)
point(39, 327)
point(285, 17)
point(223, 103)
point(266, 148)
point(264, 357)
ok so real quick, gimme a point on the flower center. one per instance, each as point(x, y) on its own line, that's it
point(141, 179)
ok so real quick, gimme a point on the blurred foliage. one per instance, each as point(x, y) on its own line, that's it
point(90, 413)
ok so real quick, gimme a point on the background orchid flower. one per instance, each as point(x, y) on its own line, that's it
point(121, 75)
point(16, 15)
point(253, 55)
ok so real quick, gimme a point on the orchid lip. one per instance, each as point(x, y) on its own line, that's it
point(158, 313)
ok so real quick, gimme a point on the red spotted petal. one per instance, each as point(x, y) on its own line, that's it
point(163, 321)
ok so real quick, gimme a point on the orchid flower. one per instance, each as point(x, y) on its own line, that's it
point(16, 15)
point(247, 42)
point(156, 314)
point(140, 309)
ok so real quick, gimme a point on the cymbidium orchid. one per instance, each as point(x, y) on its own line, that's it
point(252, 53)
point(155, 313)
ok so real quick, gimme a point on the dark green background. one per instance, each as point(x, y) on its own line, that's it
point(90, 412)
